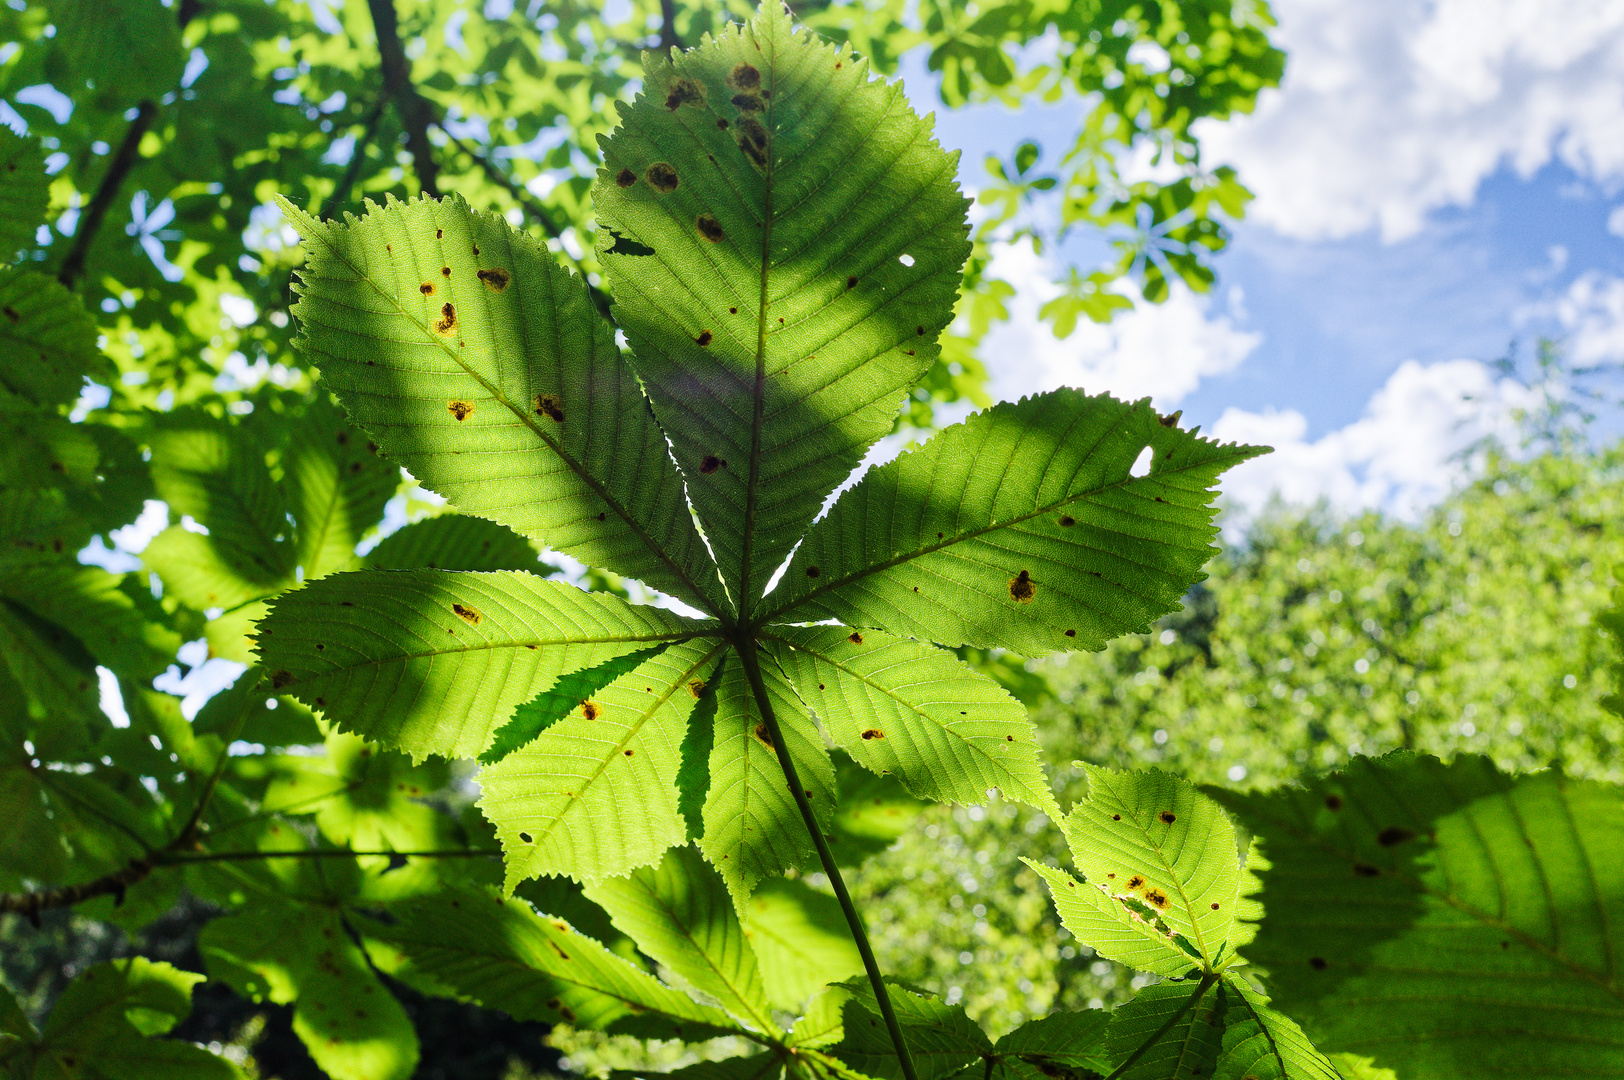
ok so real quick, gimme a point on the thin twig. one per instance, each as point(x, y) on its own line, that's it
point(324, 853)
point(352, 172)
point(415, 112)
point(90, 221)
point(745, 644)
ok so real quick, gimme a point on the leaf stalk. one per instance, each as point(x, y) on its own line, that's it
point(746, 646)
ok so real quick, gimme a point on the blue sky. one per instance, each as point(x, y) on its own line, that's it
point(1435, 180)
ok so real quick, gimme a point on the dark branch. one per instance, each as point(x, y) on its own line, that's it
point(415, 112)
point(118, 168)
point(668, 26)
point(90, 222)
point(114, 884)
point(352, 172)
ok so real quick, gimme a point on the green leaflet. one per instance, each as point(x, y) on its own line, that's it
point(1446, 920)
point(1613, 622)
point(389, 654)
point(1055, 1045)
point(679, 913)
point(595, 794)
point(301, 954)
point(47, 341)
point(337, 488)
point(753, 829)
point(111, 617)
point(1187, 1050)
point(482, 367)
point(502, 954)
point(1020, 528)
point(806, 239)
point(363, 797)
point(1261, 1044)
point(26, 195)
point(456, 542)
point(104, 1023)
point(941, 1038)
point(754, 1067)
point(1153, 838)
point(899, 707)
point(569, 693)
point(802, 939)
point(1110, 927)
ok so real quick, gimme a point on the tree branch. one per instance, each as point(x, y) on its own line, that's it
point(415, 112)
point(352, 172)
point(668, 26)
point(118, 168)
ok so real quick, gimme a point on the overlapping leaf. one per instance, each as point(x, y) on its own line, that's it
point(1446, 920)
point(796, 238)
point(941, 1038)
point(1169, 1031)
point(26, 194)
point(47, 341)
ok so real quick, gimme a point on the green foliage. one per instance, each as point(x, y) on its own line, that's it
point(1445, 920)
point(483, 366)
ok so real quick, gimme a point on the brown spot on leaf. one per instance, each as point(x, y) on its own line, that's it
point(745, 77)
point(920, 330)
point(279, 679)
point(445, 271)
point(1071, 633)
point(548, 405)
point(1167, 817)
point(684, 92)
point(703, 339)
point(625, 178)
point(1333, 802)
point(1022, 589)
point(851, 283)
point(439, 234)
point(855, 638)
point(565, 1011)
point(1394, 834)
point(661, 177)
point(590, 709)
point(696, 687)
point(524, 838)
point(1362, 870)
point(427, 288)
point(447, 321)
point(721, 123)
point(1136, 882)
point(1317, 963)
point(873, 733)
point(765, 736)
point(709, 464)
point(1215, 907)
point(748, 103)
point(460, 410)
point(732, 311)
point(709, 228)
point(1170, 419)
point(1067, 521)
point(1156, 899)
point(467, 614)
point(813, 571)
point(496, 278)
point(628, 753)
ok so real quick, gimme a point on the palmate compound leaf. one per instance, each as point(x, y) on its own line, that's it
point(1262, 1044)
point(1446, 920)
point(799, 238)
point(1023, 527)
point(481, 365)
point(25, 193)
point(434, 661)
point(680, 913)
point(504, 955)
point(1186, 1050)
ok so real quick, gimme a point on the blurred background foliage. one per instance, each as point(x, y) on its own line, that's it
point(148, 275)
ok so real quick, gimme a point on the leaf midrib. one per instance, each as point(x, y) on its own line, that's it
point(524, 418)
point(686, 933)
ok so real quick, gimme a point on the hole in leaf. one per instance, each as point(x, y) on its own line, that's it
point(467, 614)
point(1022, 589)
point(625, 178)
point(496, 278)
point(662, 177)
point(1141, 464)
point(905, 259)
point(625, 245)
point(525, 838)
point(460, 410)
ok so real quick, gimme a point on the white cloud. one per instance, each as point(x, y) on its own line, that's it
point(1591, 314)
point(1391, 108)
point(1402, 456)
point(1158, 350)
point(1615, 221)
